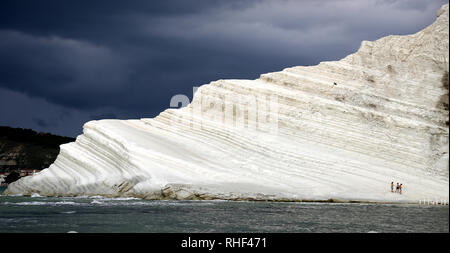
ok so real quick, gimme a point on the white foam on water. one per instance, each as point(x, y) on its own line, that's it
point(115, 199)
point(42, 203)
point(95, 197)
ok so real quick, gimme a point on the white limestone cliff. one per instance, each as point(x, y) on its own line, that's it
point(340, 130)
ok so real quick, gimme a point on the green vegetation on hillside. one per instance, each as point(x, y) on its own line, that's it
point(27, 149)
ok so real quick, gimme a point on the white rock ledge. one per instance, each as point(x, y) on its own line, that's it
point(344, 130)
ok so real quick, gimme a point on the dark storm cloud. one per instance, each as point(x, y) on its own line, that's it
point(65, 71)
point(40, 122)
point(127, 59)
point(103, 116)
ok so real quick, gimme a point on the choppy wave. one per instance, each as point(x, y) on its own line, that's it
point(41, 203)
point(101, 201)
point(127, 202)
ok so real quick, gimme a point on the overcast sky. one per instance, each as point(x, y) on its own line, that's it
point(63, 63)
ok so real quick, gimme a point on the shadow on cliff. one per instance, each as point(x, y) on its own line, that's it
point(443, 100)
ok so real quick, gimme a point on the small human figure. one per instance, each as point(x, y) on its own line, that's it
point(392, 186)
point(396, 189)
point(400, 188)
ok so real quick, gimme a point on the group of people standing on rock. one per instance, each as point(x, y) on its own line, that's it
point(398, 188)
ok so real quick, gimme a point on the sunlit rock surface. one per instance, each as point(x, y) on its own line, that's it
point(340, 130)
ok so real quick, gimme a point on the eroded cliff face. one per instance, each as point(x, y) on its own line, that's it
point(342, 129)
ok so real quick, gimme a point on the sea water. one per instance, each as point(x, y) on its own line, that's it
point(98, 214)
